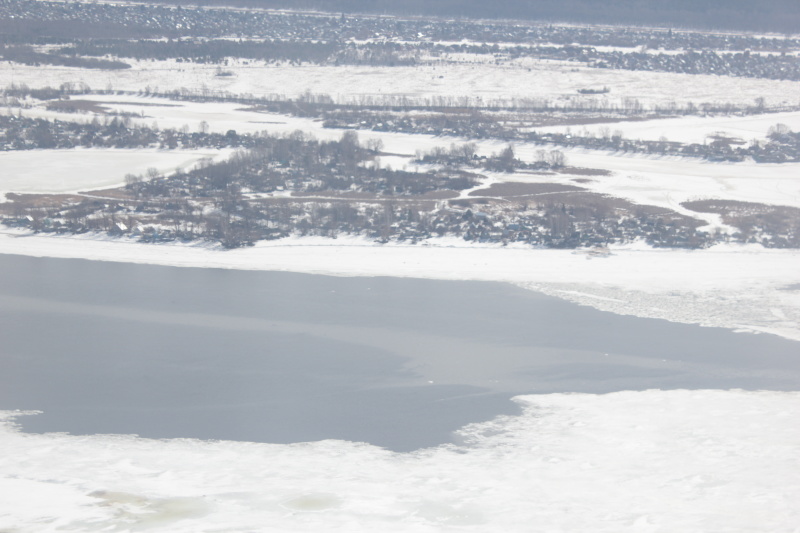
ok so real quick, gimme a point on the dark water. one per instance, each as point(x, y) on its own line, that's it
point(281, 357)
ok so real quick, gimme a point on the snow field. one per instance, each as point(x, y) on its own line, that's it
point(690, 129)
point(651, 461)
point(528, 78)
point(219, 117)
point(64, 171)
point(670, 181)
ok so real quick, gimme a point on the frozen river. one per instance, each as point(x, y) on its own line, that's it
point(162, 352)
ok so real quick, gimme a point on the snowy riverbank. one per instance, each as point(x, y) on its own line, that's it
point(740, 287)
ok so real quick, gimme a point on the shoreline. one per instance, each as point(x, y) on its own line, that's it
point(739, 287)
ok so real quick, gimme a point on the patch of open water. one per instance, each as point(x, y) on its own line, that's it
point(167, 352)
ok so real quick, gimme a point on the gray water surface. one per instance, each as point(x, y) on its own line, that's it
point(281, 357)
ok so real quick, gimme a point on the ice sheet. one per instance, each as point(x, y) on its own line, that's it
point(651, 461)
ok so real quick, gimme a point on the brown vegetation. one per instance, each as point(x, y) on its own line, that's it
point(514, 189)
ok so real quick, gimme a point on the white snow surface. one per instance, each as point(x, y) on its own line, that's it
point(527, 77)
point(651, 461)
point(64, 171)
point(693, 129)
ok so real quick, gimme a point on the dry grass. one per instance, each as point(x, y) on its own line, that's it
point(39, 200)
point(77, 106)
point(515, 189)
point(581, 171)
point(751, 217)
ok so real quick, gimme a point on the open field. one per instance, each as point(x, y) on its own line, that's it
point(554, 80)
point(59, 171)
point(693, 129)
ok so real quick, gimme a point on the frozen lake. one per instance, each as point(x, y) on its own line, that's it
point(280, 357)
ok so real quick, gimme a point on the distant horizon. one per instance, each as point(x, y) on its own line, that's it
point(781, 16)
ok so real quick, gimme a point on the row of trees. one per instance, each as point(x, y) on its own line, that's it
point(23, 133)
point(465, 155)
point(220, 51)
point(28, 56)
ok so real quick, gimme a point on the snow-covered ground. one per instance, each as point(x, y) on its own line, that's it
point(528, 78)
point(219, 117)
point(670, 181)
point(690, 129)
point(63, 171)
point(652, 461)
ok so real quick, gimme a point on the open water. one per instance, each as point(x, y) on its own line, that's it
point(167, 352)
